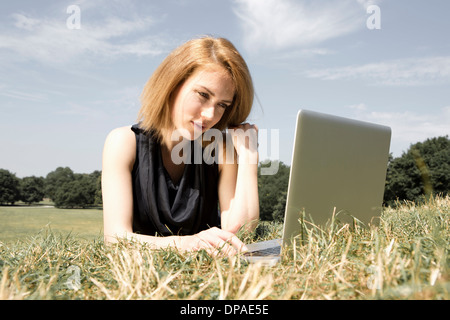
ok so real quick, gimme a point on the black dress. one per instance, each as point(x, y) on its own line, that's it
point(163, 208)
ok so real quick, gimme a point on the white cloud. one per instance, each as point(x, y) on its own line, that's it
point(23, 22)
point(50, 41)
point(408, 127)
point(282, 24)
point(405, 72)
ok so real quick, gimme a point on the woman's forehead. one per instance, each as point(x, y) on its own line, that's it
point(216, 79)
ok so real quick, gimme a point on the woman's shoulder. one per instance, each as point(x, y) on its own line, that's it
point(121, 135)
point(120, 144)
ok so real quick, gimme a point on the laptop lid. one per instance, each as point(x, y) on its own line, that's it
point(338, 165)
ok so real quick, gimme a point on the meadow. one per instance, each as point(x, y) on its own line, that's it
point(19, 222)
point(404, 257)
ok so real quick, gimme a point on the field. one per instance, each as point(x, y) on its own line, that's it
point(19, 222)
point(405, 257)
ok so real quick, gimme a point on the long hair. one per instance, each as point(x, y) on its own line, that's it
point(179, 65)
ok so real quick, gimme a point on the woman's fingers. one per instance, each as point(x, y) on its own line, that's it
point(245, 126)
point(216, 240)
point(245, 139)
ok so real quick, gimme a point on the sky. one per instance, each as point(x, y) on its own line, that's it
point(71, 71)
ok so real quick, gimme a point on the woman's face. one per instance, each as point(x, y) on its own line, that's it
point(201, 100)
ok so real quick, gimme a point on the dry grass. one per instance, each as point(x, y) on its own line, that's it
point(405, 257)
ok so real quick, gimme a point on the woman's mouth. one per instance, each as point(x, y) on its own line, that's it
point(198, 126)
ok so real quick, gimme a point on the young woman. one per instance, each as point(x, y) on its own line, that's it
point(148, 194)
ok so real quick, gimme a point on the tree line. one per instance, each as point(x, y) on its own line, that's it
point(420, 172)
point(63, 187)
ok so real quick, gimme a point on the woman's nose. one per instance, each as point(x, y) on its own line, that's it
point(208, 111)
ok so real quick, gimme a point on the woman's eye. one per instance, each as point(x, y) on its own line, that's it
point(203, 95)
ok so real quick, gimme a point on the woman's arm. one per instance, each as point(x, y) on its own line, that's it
point(119, 155)
point(238, 182)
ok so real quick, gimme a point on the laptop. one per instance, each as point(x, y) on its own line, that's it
point(338, 169)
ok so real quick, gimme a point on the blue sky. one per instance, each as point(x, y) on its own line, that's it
point(62, 90)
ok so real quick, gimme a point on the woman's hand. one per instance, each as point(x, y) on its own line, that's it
point(245, 141)
point(215, 241)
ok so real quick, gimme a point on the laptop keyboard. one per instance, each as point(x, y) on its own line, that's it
point(265, 252)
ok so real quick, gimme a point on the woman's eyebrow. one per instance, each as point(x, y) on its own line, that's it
point(212, 94)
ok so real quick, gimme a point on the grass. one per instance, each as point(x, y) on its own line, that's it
point(19, 222)
point(405, 257)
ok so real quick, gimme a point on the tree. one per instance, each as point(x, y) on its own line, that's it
point(280, 208)
point(270, 188)
point(98, 191)
point(9, 187)
point(423, 170)
point(32, 189)
point(56, 179)
point(96, 187)
point(73, 194)
point(80, 192)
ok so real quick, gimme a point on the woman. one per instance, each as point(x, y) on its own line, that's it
point(147, 193)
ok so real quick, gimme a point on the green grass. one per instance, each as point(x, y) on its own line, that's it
point(405, 257)
point(19, 222)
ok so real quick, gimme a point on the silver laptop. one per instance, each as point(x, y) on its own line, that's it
point(338, 167)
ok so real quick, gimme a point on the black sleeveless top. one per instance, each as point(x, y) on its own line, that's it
point(162, 208)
